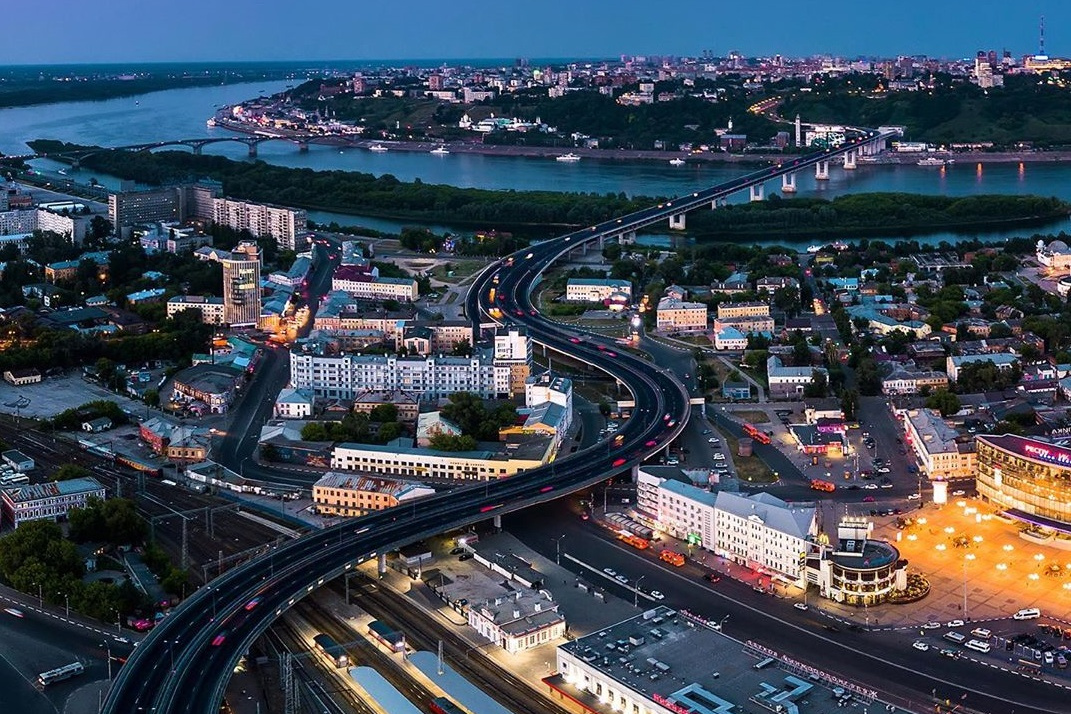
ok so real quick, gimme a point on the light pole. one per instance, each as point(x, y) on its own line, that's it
point(636, 592)
point(968, 557)
point(67, 603)
point(558, 549)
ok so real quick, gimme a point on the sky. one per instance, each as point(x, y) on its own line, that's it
point(65, 31)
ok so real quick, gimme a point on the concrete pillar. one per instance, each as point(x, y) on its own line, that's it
point(602, 241)
point(676, 223)
point(821, 170)
point(627, 238)
point(498, 521)
point(197, 148)
point(849, 161)
point(757, 192)
point(382, 564)
point(788, 183)
point(252, 150)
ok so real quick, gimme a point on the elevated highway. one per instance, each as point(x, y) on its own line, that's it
point(184, 665)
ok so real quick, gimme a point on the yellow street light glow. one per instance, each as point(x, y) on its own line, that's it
point(940, 546)
point(978, 539)
point(1002, 566)
point(969, 556)
point(1008, 547)
point(1039, 557)
point(1033, 576)
point(950, 530)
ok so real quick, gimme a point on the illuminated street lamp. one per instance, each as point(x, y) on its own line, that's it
point(949, 530)
point(1039, 557)
point(940, 546)
point(1002, 566)
point(978, 539)
point(1033, 576)
point(1008, 547)
point(967, 558)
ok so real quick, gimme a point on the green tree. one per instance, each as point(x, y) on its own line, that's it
point(462, 348)
point(818, 387)
point(451, 442)
point(849, 402)
point(944, 402)
point(66, 472)
point(269, 452)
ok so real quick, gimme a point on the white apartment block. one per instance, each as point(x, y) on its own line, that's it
point(288, 226)
point(728, 310)
point(368, 287)
point(785, 381)
point(941, 453)
point(28, 220)
point(406, 461)
point(211, 307)
point(675, 315)
point(759, 324)
point(595, 289)
point(344, 376)
point(906, 381)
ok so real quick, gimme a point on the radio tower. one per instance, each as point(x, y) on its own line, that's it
point(1041, 41)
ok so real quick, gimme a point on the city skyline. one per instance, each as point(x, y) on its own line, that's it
point(207, 31)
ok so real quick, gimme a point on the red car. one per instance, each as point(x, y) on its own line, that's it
point(252, 603)
point(610, 353)
point(533, 311)
point(575, 340)
point(868, 499)
point(618, 462)
point(584, 516)
point(652, 442)
point(519, 313)
point(219, 639)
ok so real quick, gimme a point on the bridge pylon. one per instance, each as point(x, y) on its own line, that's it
point(677, 222)
point(757, 192)
point(849, 161)
point(821, 171)
point(788, 183)
point(252, 149)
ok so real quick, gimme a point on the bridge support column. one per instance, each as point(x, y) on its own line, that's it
point(849, 161)
point(381, 565)
point(718, 202)
point(498, 521)
point(303, 147)
point(677, 223)
point(757, 192)
point(197, 149)
point(629, 237)
point(252, 150)
point(821, 171)
point(75, 165)
point(788, 183)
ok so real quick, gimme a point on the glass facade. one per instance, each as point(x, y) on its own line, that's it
point(1025, 474)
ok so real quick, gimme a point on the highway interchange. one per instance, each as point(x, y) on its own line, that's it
point(184, 665)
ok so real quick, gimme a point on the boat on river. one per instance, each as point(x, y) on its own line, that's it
point(567, 158)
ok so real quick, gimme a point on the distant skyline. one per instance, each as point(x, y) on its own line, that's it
point(199, 30)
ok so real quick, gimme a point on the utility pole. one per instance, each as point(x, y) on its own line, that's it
point(185, 546)
point(290, 693)
point(440, 667)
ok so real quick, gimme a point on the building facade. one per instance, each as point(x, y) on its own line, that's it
point(351, 496)
point(241, 285)
point(365, 286)
point(595, 289)
point(397, 460)
point(729, 310)
point(788, 381)
point(47, 501)
point(941, 451)
point(1029, 478)
point(211, 308)
point(287, 226)
point(675, 315)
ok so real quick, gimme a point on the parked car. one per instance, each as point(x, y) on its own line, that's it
point(920, 645)
point(800, 606)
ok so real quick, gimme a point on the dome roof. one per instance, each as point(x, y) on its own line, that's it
point(1058, 246)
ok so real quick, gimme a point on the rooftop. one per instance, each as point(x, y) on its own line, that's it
point(37, 491)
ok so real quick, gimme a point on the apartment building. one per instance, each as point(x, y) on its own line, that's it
point(728, 310)
point(675, 315)
point(757, 324)
point(47, 501)
point(910, 381)
point(350, 496)
point(785, 381)
point(941, 451)
point(241, 284)
point(287, 226)
point(211, 308)
point(596, 289)
point(365, 285)
point(399, 459)
point(342, 376)
point(513, 349)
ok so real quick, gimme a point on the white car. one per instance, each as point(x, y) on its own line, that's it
point(712, 440)
point(623, 579)
point(609, 571)
point(920, 645)
point(719, 456)
point(931, 625)
point(122, 640)
point(954, 623)
point(959, 492)
point(884, 470)
point(870, 486)
point(657, 595)
point(913, 497)
point(800, 606)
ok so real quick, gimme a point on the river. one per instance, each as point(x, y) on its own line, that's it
point(181, 113)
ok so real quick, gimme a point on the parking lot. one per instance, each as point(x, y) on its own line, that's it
point(55, 394)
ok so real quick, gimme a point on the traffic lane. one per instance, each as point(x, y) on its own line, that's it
point(776, 623)
point(876, 418)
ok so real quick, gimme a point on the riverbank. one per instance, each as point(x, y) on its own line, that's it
point(704, 157)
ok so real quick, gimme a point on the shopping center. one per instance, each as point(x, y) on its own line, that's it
point(1029, 479)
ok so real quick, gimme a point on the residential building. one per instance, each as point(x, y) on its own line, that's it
point(367, 285)
point(241, 285)
point(211, 308)
point(910, 381)
point(764, 533)
point(127, 208)
point(407, 403)
point(513, 350)
point(295, 403)
point(47, 501)
point(730, 338)
point(941, 451)
point(344, 376)
point(398, 458)
point(727, 310)
point(596, 289)
point(350, 496)
point(678, 316)
point(757, 324)
point(1027, 478)
point(788, 381)
point(432, 424)
point(71, 225)
point(287, 226)
point(295, 276)
point(544, 388)
point(428, 338)
point(207, 388)
point(1003, 361)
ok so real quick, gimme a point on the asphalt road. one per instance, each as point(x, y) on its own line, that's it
point(881, 660)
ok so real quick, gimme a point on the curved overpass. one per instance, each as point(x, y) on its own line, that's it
point(184, 665)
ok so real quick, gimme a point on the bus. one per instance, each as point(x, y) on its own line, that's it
point(333, 650)
point(60, 673)
point(672, 557)
point(819, 485)
point(635, 541)
point(13, 479)
point(759, 436)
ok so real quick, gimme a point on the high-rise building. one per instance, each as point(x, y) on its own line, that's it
point(288, 226)
point(241, 285)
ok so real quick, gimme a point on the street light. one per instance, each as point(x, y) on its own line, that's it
point(558, 549)
point(67, 603)
point(636, 592)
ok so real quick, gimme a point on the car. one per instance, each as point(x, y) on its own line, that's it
point(800, 606)
point(932, 625)
point(950, 653)
point(220, 638)
point(712, 577)
point(252, 603)
point(706, 431)
point(575, 340)
point(719, 456)
point(652, 442)
point(533, 311)
point(959, 492)
point(920, 646)
point(870, 486)
point(617, 462)
point(913, 497)
point(621, 578)
point(666, 417)
point(122, 640)
point(457, 551)
point(657, 595)
point(671, 423)
point(981, 633)
point(610, 353)
point(1049, 658)
point(519, 313)
point(584, 516)
point(465, 556)
point(954, 623)
point(868, 499)
point(884, 470)
point(609, 571)
point(14, 612)
point(712, 440)
point(886, 485)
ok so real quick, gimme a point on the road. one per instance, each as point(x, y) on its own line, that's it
point(884, 661)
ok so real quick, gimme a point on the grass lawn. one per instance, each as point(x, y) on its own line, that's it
point(461, 269)
point(753, 416)
point(748, 468)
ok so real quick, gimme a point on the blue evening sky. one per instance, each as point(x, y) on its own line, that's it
point(61, 31)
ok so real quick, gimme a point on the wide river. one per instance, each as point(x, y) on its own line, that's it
point(181, 113)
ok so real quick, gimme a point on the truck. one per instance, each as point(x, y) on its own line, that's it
point(819, 485)
point(756, 434)
point(672, 557)
point(635, 541)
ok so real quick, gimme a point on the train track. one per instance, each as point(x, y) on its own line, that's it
point(424, 632)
